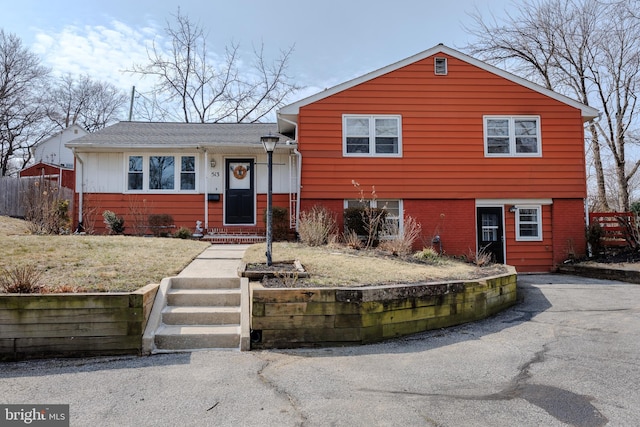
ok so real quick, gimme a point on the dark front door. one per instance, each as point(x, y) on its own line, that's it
point(491, 232)
point(239, 192)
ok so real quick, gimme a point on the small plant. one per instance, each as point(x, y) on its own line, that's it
point(401, 241)
point(20, 279)
point(352, 240)
point(482, 258)
point(114, 223)
point(160, 224)
point(183, 233)
point(46, 209)
point(288, 278)
point(428, 255)
point(372, 219)
point(138, 212)
point(316, 226)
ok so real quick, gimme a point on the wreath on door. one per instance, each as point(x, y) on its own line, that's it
point(239, 172)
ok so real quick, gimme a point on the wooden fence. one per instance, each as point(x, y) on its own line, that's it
point(618, 228)
point(14, 190)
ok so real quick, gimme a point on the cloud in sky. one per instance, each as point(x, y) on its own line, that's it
point(102, 52)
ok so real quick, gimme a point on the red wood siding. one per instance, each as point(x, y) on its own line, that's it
point(52, 172)
point(528, 256)
point(185, 209)
point(442, 139)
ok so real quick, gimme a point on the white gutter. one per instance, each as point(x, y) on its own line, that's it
point(299, 171)
point(81, 187)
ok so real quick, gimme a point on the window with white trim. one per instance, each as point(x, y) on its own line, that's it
point(393, 218)
point(529, 223)
point(371, 135)
point(506, 136)
point(161, 173)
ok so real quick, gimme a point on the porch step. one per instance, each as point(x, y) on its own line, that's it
point(181, 337)
point(200, 313)
point(204, 297)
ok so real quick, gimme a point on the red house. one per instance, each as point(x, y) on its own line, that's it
point(482, 159)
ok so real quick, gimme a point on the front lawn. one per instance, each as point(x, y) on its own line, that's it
point(94, 263)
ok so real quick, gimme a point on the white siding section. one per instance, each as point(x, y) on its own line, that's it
point(103, 173)
point(281, 175)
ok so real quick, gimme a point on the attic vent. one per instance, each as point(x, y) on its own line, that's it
point(441, 66)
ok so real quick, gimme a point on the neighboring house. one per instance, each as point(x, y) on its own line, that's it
point(213, 173)
point(482, 159)
point(53, 160)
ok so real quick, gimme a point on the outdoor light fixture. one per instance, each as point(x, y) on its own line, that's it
point(213, 163)
point(513, 209)
point(269, 142)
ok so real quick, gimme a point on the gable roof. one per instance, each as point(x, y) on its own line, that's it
point(75, 128)
point(154, 135)
point(288, 115)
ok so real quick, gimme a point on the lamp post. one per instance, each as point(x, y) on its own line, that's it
point(269, 142)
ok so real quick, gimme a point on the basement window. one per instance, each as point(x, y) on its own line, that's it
point(441, 66)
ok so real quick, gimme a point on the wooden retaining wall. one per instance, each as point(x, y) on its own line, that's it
point(315, 317)
point(73, 325)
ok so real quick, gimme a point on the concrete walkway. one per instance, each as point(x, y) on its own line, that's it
point(216, 261)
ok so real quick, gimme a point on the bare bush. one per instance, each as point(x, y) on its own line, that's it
point(45, 210)
point(401, 241)
point(20, 279)
point(138, 212)
point(352, 240)
point(482, 258)
point(316, 226)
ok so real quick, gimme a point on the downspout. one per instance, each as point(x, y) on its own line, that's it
point(81, 188)
point(206, 191)
point(299, 169)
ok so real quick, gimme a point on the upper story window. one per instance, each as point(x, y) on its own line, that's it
point(512, 136)
point(371, 135)
point(529, 223)
point(161, 173)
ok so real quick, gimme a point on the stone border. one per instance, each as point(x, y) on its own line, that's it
point(73, 325)
point(316, 317)
point(600, 272)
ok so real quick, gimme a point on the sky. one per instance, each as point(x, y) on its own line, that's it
point(334, 40)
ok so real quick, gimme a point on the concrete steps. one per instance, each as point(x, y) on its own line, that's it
point(200, 313)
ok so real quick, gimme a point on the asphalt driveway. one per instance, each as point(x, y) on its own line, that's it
point(567, 354)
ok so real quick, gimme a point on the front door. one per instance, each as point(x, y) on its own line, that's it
point(491, 232)
point(239, 192)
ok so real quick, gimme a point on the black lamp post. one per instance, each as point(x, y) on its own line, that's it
point(269, 142)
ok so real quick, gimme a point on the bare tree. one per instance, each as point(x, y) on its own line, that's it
point(84, 101)
point(586, 49)
point(203, 88)
point(22, 80)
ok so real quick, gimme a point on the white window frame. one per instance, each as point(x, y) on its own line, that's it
point(372, 139)
point(443, 61)
point(381, 203)
point(538, 223)
point(512, 136)
point(177, 173)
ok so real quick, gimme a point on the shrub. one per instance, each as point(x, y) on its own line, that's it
point(160, 224)
point(45, 210)
point(20, 279)
point(316, 226)
point(401, 241)
point(352, 240)
point(114, 223)
point(279, 222)
point(183, 233)
point(429, 255)
point(594, 233)
point(365, 221)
